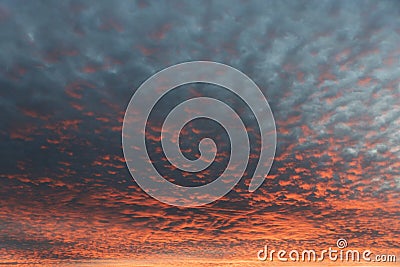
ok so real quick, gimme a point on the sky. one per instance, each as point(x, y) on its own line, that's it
point(330, 71)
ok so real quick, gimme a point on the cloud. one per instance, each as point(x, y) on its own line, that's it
point(330, 71)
